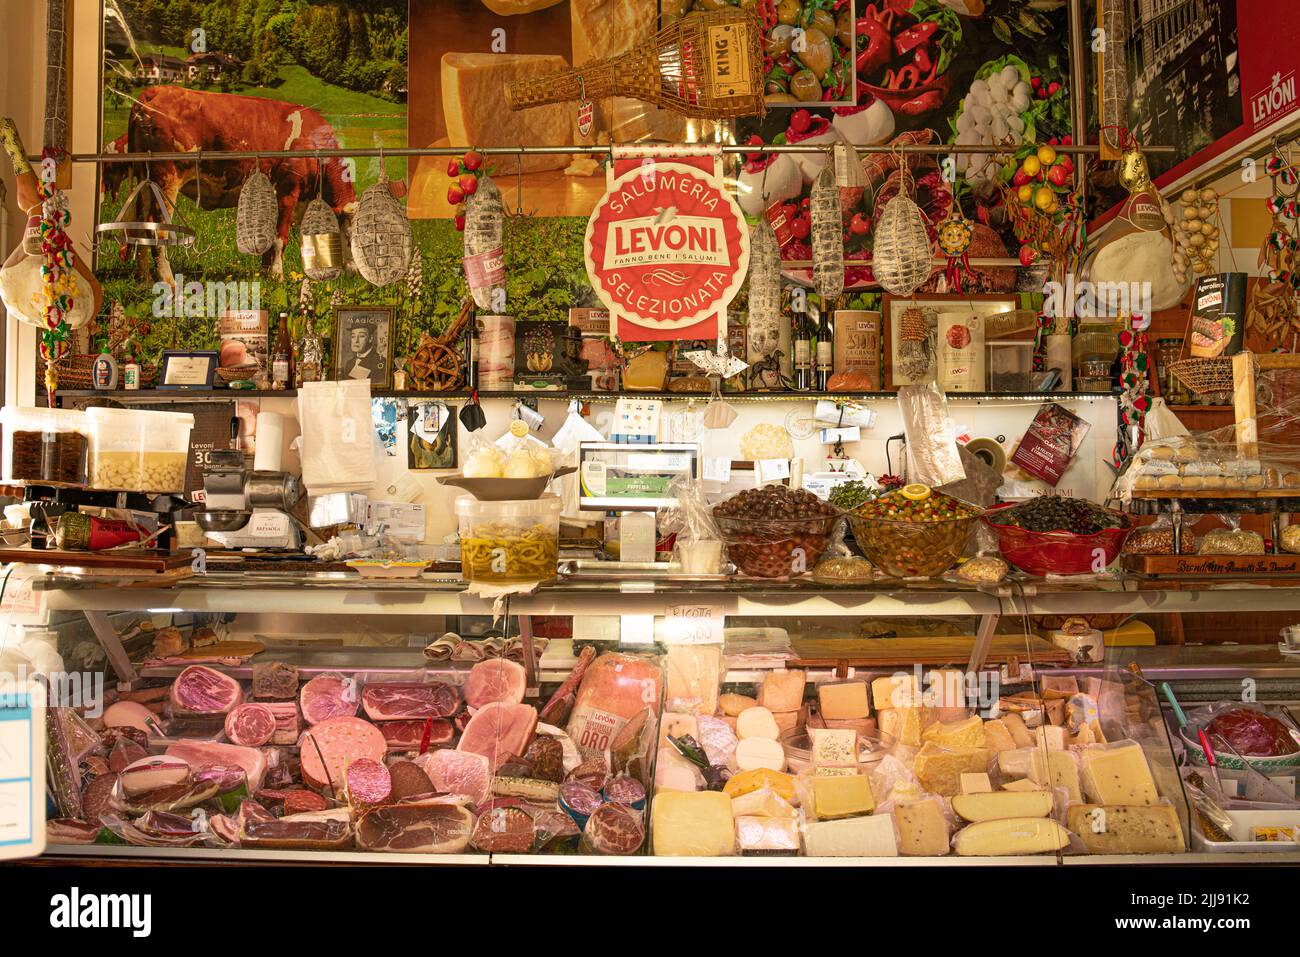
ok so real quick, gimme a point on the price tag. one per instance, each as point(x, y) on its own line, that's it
point(22, 768)
point(693, 625)
point(717, 470)
point(772, 470)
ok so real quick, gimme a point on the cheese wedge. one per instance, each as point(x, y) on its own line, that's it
point(693, 673)
point(1050, 736)
point(1011, 837)
point(939, 770)
point(1133, 829)
point(677, 724)
point(975, 782)
point(1119, 774)
point(782, 690)
point(834, 748)
point(922, 828)
point(870, 836)
point(762, 803)
point(693, 825)
point(767, 835)
point(1022, 784)
point(895, 691)
point(959, 734)
point(845, 795)
point(748, 781)
point(998, 805)
point(733, 704)
point(905, 725)
point(997, 737)
point(843, 700)
point(475, 109)
point(1019, 733)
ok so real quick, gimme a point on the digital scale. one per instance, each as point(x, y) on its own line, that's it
point(633, 481)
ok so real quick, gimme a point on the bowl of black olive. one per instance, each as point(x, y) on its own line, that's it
point(1058, 535)
point(774, 531)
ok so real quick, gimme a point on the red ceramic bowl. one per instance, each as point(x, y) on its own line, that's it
point(1058, 553)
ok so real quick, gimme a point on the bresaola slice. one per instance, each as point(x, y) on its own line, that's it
point(416, 829)
point(499, 730)
point(408, 735)
point(251, 725)
point(328, 747)
point(200, 690)
point(328, 696)
point(458, 772)
point(497, 679)
point(409, 780)
point(391, 702)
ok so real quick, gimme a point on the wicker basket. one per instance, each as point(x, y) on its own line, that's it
point(257, 215)
point(381, 235)
point(76, 371)
point(1204, 376)
point(240, 373)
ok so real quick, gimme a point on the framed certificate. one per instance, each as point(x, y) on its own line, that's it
point(187, 370)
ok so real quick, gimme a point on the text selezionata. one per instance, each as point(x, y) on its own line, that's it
point(652, 306)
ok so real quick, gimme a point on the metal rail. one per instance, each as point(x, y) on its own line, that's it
point(199, 156)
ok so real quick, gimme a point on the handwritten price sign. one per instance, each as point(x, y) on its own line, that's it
point(693, 625)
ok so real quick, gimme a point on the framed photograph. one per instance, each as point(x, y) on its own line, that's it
point(432, 431)
point(187, 370)
point(363, 344)
point(940, 338)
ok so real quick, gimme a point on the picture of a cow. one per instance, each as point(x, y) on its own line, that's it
point(170, 119)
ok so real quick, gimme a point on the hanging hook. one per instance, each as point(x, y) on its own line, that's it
point(519, 182)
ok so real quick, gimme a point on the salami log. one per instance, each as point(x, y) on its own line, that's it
point(251, 725)
point(328, 696)
point(327, 748)
point(369, 783)
point(409, 780)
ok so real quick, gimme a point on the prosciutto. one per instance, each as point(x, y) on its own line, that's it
point(200, 690)
point(391, 702)
point(498, 731)
point(327, 696)
point(458, 772)
point(496, 679)
point(416, 828)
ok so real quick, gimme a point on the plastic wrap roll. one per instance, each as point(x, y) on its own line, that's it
point(1059, 357)
point(269, 456)
point(496, 353)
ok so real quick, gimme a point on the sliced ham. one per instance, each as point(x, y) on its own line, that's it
point(287, 724)
point(458, 772)
point(499, 730)
point(416, 828)
point(327, 748)
point(496, 679)
point(131, 714)
point(251, 725)
point(328, 696)
point(408, 735)
point(391, 702)
point(200, 753)
point(200, 690)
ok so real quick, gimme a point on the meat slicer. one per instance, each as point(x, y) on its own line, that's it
point(248, 508)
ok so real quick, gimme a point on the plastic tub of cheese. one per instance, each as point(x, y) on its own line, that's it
point(509, 541)
point(1254, 832)
point(798, 749)
point(137, 450)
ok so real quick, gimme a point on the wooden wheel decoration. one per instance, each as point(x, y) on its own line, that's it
point(437, 365)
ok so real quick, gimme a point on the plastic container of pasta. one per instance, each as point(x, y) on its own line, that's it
point(509, 541)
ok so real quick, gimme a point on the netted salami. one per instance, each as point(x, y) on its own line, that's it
point(504, 830)
point(613, 829)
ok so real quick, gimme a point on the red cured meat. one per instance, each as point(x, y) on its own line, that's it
point(314, 830)
point(504, 830)
point(615, 689)
point(125, 747)
point(328, 696)
point(498, 731)
point(251, 725)
point(274, 680)
point(225, 827)
point(458, 772)
point(416, 828)
point(409, 780)
point(390, 702)
point(327, 748)
point(369, 783)
point(1253, 733)
point(66, 830)
point(407, 735)
point(202, 690)
point(287, 724)
point(496, 679)
point(556, 711)
point(97, 798)
point(293, 800)
point(202, 753)
point(614, 829)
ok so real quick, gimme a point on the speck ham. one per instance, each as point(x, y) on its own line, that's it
point(408, 735)
point(391, 702)
point(293, 800)
point(327, 748)
point(200, 690)
point(496, 679)
point(328, 696)
point(498, 731)
point(251, 725)
point(416, 829)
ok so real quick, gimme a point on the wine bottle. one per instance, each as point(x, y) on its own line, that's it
point(282, 356)
point(801, 339)
point(825, 362)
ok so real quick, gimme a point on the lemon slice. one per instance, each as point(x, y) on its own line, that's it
point(519, 429)
point(916, 492)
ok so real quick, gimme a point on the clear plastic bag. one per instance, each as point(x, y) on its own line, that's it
point(698, 546)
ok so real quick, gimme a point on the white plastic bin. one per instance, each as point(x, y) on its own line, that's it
point(45, 446)
point(139, 450)
point(509, 541)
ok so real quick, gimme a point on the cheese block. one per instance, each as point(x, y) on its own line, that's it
point(755, 753)
point(834, 748)
point(997, 805)
point(1118, 774)
point(997, 737)
point(786, 721)
point(674, 773)
point(865, 727)
point(605, 28)
point(975, 782)
point(1057, 769)
point(677, 724)
point(757, 722)
point(905, 792)
point(842, 796)
point(905, 725)
point(1023, 784)
point(1084, 737)
point(1011, 837)
point(748, 781)
point(510, 8)
point(767, 835)
point(1018, 762)
point(922, 828)
point(951, 715)
point(733, 704)
point(475, 109)
point(843, 700)
point(960, 734)
point(1050, 736)
point(693, 825)
point(782, 690)
point(870, 836)
point(940, 769)
point(1127, 829)
point(828, 771)
point(693, 675)
point(895, 691)
point(761, 803)
point(1019, 732)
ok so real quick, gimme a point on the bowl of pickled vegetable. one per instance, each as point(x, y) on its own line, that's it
point(913, 531)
